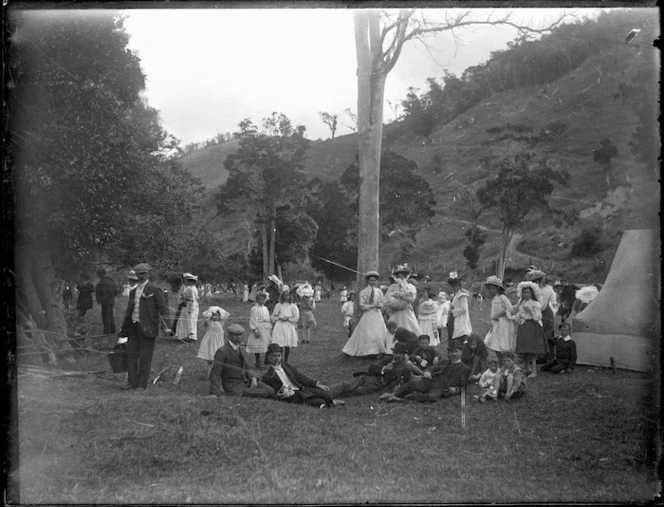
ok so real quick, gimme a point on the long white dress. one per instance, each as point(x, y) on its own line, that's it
point(259, 320)
point(213, 338)
point(188, 322)
point(400, 297)
point(368, 337)
point(461, 314)
point(428, 320)
point(284, 332)
point(502, 335)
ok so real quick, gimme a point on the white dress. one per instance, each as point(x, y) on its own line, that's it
point(502, 335)
point(343, 295)
point(347, 311)
point(317, 293)
point(213, 338)
point(284, 332)
point(462, 326)
point(187, 326)
point(400, 297)
point(259, 320)
point(428, 320)
point(368, 337)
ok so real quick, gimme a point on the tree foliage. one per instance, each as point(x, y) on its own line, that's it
point(265, 174)
point(330, 120)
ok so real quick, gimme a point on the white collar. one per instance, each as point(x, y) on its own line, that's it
point(233, 346)
point(567, 338)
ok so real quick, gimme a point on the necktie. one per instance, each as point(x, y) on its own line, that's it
point(371, 298)
point(239, 353)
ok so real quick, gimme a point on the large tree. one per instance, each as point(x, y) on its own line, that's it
point(86, 152)
point(379, 40)
point(265, 174)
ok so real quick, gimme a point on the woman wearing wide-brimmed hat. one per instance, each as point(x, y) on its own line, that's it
point(502, 335)
point(187, 326)
point(400, 297)
point(368, 337)
point(530, 340)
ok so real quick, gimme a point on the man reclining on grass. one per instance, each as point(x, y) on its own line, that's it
point(386, 373)
point(445, 379)
point(292, 386)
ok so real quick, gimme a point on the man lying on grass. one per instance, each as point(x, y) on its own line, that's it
point(445, 379)
point(384, 374)
point(292, 386)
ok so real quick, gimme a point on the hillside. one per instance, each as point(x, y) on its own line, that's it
point(587, 100)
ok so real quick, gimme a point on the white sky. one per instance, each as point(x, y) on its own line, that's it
point(207, 69)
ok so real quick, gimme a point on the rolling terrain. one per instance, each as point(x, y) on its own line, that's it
point(592, 103)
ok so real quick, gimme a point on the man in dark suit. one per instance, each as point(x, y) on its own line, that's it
point(146, 312)
point(105, 293)
point(292, 386)
point(229, 375)
point(445, 379)
point(402, 335)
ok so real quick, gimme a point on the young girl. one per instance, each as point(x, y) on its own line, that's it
point(530, 340)
point(511, 382)
point(347, 312)
point(427, 318)
point(488, 382)
point(261, 328)
point(284, 317)
point(474, 355)
point(307, 306)
point(441, 321)
point(458, 321)
point(502, 335)
point(214, 335)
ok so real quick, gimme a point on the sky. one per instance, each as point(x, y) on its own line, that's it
point(208, 69)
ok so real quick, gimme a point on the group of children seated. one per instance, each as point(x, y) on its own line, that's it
point(503, 376)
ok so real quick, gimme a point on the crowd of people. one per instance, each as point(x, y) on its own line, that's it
point(422, 343)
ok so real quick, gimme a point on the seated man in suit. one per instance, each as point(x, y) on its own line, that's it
point(229, 374)
point(292, 386)
point(383, 375)
point(445, 379)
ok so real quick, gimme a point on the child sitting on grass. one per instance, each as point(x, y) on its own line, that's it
point(511, 383)
point(488, 382)
point(565, 352)
point(425, 356)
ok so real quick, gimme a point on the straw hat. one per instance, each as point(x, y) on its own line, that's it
point(369, 274)
point(587, 294)
point(495, 281)
point(402, 268)
point(535, 274)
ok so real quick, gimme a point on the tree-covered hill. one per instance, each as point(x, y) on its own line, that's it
point(570, 94)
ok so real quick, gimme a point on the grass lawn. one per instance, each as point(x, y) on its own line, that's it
point(575, 438)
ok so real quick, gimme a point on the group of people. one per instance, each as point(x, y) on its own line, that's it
point(410, 361)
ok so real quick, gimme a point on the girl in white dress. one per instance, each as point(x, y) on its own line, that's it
point(187, 326)
point(459, 317)
point(261, 328)
point(214, 336)
point(441, 321)
point(285, 316)
point(347, 310)
point(428, 318)
point(318, 292)
point(400, 297)
point(502, 335)
point(368, 337)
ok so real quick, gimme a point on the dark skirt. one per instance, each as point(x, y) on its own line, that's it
point(530, 339)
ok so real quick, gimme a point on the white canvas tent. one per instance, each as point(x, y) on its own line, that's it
point(623, 321)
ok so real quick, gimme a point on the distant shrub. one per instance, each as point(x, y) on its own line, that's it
point(587, 244)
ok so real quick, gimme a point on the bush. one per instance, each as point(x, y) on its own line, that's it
point(587, 243)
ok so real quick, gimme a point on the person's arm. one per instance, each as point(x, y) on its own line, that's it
point(415, 369)
point(275, 313)
point(296, 314)
point(162, 309)
point(537, 312)
point(461, 308)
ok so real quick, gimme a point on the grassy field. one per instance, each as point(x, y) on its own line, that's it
point(576, 438)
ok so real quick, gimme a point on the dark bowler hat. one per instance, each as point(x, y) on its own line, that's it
point(273, 347)
point(454, 346)
point(400, 348)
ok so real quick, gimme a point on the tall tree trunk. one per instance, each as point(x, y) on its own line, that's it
point(507, 234)
point(371, 77)
point(266, 258)
point(273, 234)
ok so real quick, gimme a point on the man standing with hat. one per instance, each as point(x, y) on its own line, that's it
point(105, 293)
point(146, 311)
point(292, 386)
point(445, 379)
point(229, 375)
